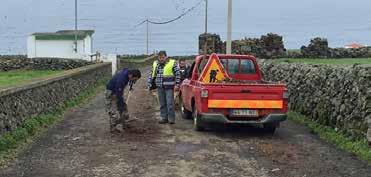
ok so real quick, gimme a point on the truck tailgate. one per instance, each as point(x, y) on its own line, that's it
point(246, 96)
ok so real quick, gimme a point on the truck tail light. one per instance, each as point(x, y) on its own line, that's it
point(204, 93)
point(285, 95)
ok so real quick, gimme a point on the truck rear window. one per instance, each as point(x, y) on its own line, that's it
point(233, 66)
point(247, 67)
point(239, 66)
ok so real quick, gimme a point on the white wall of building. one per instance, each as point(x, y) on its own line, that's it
point(59, 48)
point(31, 50)
point(88, 47)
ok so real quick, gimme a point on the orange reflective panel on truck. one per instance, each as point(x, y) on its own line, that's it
point(248, 104)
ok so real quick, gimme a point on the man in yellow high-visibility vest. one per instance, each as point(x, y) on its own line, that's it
point(165, 77)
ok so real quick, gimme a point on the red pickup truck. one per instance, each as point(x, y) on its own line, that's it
point(243, 98)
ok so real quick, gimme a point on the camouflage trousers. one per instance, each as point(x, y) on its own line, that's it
point(115, 116)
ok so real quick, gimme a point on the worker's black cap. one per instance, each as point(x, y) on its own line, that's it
point(162, 52)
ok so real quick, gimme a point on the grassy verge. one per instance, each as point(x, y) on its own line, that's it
point(15, 141)
point(357, 146)
point(343, 61)
point(11, 78)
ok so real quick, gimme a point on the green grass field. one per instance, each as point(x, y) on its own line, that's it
point(343, 61)
point(13, 78)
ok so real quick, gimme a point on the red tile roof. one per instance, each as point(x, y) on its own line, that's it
point(354, 46)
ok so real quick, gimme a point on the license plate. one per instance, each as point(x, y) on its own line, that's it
point(244, 112)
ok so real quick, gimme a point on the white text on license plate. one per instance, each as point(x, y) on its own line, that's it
point(244, 112)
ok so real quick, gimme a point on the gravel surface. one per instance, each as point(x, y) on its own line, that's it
point(81, 145)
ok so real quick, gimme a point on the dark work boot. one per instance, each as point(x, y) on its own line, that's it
point(163, 121)
point(114, 130)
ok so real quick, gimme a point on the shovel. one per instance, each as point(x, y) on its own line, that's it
point(127, 103)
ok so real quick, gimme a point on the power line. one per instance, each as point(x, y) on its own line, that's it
point(147, 21)
point(178, 5)
point(141, 23)
point(172, 20)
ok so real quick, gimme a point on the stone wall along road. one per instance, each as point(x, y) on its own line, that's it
point(337, 96)
point(13, 62)
point(20, 103)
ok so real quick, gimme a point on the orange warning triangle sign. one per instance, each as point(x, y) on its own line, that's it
point(213, 71)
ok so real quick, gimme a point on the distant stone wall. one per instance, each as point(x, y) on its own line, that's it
point(319, 48)
point(271, 46)
point(213, 43)
point(13, 62)
point(20, 103)
point(267, 46)
point(336, 96)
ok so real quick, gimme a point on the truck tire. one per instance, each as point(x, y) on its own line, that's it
point(185, 113)
point(270, 128)
point(197, 122)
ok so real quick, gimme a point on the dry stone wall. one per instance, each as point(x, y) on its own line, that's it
point(319, 48)
point(20, 103)
point(267, 46)
point(337, 96)
point(13, 62)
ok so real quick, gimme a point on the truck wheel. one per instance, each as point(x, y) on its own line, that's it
point(197, 123)
point(270, 128)
point(185, 113)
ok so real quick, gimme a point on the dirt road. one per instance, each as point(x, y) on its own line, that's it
point(81, 145)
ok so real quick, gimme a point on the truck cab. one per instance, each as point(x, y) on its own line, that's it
point(242, 97)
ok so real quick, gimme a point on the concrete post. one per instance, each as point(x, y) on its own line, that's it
point(75, 26)
point(206, 8)
point(113, 59)
point(147, 37)
point(229, 28)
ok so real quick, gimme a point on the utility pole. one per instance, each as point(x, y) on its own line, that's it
point(147, 36)
point(206, 38)
point(75, 26)
point(206, 6)
point(229, 33)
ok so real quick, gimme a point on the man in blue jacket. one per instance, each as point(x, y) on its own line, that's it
point(115, 104)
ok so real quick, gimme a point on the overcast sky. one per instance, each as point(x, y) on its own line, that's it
point(341, 21)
